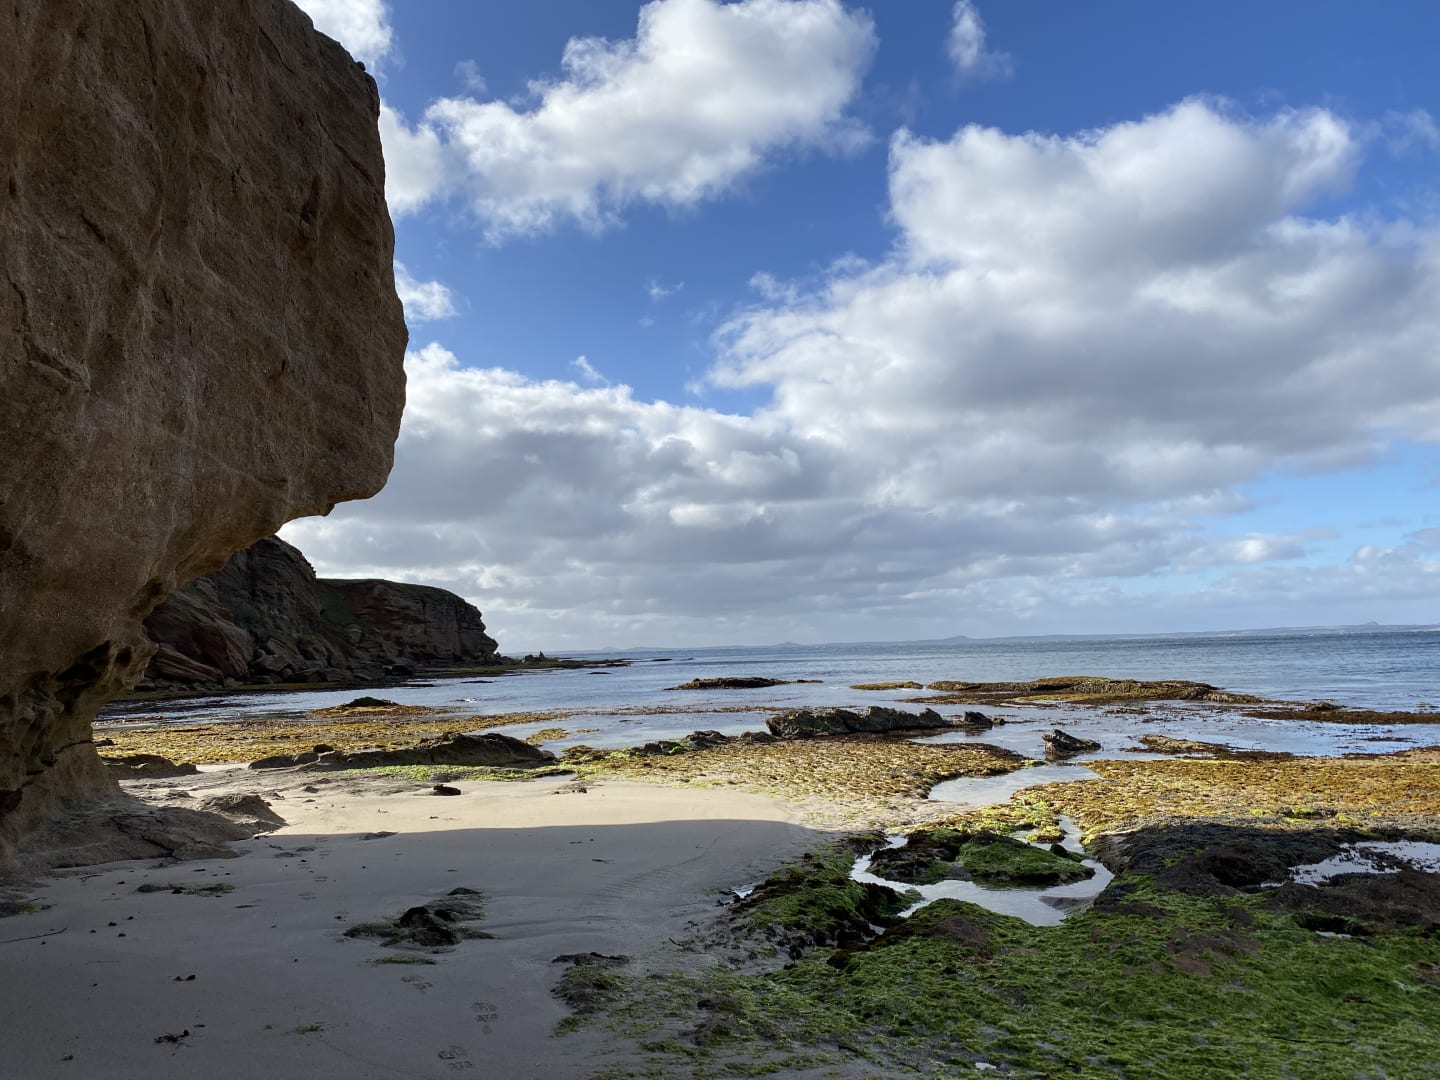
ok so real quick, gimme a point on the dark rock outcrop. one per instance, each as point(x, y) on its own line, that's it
point(731, 682)
point(199, 335)
point(439, 924)
point(1062, 744)
point(489, 748)
point(264, 617)
point(876, 720)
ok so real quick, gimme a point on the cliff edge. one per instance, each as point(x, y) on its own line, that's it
point(199, 335)
point(264, 617)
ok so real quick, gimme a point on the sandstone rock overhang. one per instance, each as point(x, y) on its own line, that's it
point(200, 337)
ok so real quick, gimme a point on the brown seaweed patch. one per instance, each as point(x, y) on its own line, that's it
point(250, 740)
point(1326, 713)
point(862, 774)
point(1400, 789)
point(1163, 744)
point(1084, 689)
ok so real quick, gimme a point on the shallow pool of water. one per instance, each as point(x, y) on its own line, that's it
point(1370, 857)
point(1037, 906)
point(1119, 733)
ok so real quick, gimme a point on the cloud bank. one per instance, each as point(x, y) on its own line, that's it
point(1046, 399)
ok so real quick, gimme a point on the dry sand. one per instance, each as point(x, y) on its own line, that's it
point(278, 992)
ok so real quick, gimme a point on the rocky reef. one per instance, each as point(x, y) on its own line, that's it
point(264, 617)
point(199, 335)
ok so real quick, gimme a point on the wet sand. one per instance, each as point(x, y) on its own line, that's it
point(278, 991)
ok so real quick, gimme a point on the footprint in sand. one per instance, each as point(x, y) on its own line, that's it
point(455, 1057)
point(484, 1011)
point(417, 982)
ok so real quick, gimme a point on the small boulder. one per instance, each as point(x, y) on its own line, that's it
point(251, 811)
point(704, 740)
point(1062, 744)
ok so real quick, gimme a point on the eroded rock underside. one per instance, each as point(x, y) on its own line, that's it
point(264, 617)
point(199, 334)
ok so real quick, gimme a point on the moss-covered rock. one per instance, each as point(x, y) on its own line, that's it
point(932, 855)
point(815, 902)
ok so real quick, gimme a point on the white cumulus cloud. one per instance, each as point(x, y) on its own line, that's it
point(703, 96)
point(1051, 394)
point(966, 47)
point(362, 26)
point(425, 301)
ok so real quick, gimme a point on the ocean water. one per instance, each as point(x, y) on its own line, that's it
point(1376, 670)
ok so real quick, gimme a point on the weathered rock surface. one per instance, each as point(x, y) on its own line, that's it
point(488, 748)
point(199, 334)
point(876, 720)
point(252, 812)
point(264, 617)
point(147, 767)
point(110, 830)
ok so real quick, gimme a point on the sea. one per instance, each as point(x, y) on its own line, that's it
point(1381, 669)
point(613, 706)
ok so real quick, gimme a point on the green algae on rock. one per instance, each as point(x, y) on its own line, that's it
point(992, 858)
point(814, 901)
point(1154, 984)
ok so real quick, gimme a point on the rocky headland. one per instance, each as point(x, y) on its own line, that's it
point(265, 618)
point(200, 337)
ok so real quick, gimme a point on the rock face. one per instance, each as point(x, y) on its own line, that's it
point(199, 334)
point(265, 617)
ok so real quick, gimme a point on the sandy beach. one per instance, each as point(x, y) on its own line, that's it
point(266, 985)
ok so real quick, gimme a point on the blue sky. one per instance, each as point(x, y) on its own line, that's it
point(793, 319)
